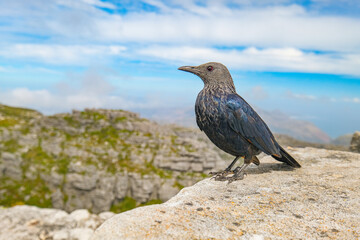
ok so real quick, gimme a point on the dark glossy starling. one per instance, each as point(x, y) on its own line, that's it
point(231, 123)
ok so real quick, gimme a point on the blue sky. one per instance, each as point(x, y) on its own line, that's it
point(299, 57)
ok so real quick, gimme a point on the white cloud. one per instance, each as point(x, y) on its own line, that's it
point(269, 59)
point(99, 3)
point(24, 96)
point(306, 97)
point(213, 23)
point(261, 27)
point(61, 54)
point(52, 102)
point(352, 100)
point(277, 37)
point(90, 90)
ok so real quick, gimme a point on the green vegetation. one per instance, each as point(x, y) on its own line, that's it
point(178, 185)
point(71, 121)
point(25, 130)
point(151, 202)
point(129, 203)
point(37, 157)
point(189, 148)
point(22, 113)
point(107, 134)
point(11, 146)
point(63, 164)
point(150, 168)
point(92, 115)
point(30, 191)
point(8, 122)
point(120, 119)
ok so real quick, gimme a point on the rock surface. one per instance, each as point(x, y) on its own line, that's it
point(30, 223)
point(319, 200)
point(355, 142)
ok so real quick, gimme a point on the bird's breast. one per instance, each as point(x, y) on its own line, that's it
point(211, 117)
point(208, 109)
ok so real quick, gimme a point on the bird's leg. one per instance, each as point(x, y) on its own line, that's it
point(239, 171)
point(222, 174)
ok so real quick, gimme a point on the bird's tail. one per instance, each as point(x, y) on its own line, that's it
point(287, 158)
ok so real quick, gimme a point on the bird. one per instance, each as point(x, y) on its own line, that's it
point(231, 123)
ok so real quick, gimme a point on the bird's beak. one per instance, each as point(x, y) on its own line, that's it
point(191, 69)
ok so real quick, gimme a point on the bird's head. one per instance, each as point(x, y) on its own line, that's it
point(212, 73)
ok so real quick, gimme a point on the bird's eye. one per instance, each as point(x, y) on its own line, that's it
point(210, 68)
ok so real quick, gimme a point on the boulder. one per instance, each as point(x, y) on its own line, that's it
point(29, 222)
point(355, 142)
point(274, 201)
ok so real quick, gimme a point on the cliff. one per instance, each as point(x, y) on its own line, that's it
point(97, 159)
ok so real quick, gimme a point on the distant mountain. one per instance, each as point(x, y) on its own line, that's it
point(299, 129)
point(343, 140)
point(276, 120)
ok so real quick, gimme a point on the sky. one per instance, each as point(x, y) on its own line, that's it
point(301, 58)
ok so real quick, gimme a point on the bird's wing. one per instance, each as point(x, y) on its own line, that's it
point(246, 122)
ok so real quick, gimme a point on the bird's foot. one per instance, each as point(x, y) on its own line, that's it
point(219, 176)
point(223, 176)
point(236, 177)
point(237, 174)
point(232, 178)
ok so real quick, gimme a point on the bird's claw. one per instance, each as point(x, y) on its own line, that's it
point(236, 177)
point(222, 176)
point(218, 176)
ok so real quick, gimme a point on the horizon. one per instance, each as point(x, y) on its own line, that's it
point(300, 58)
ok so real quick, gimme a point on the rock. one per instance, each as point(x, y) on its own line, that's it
point(53, 145)
point(143, 187)
point(61, 235)
point(355, 142)
point(54, 179)
point(106, 215)
point(10, 166)
point(103, 196)
point(274, 201)
point(197, 167)
point(57, 199)
point(28, 222)
point(81, 233)
point(82, 182)
point(77, 199)
point(167, 190)
point(80, 215)
point(102, 200)
point(121, 185)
